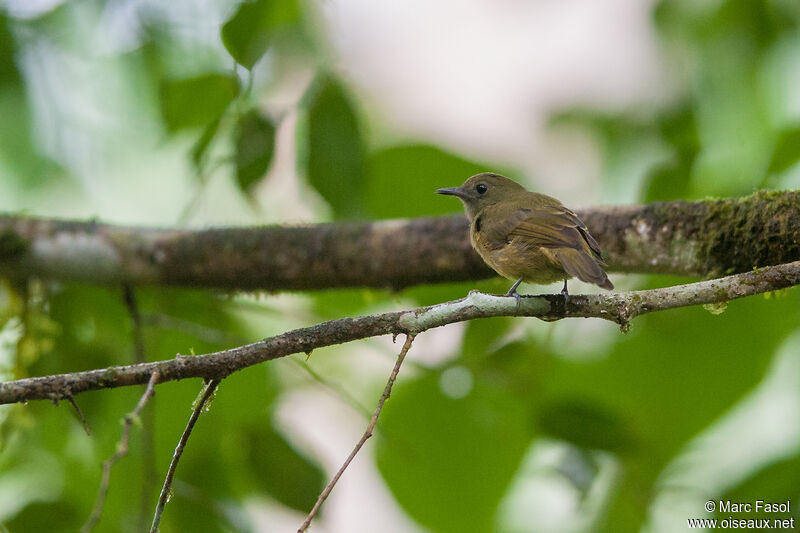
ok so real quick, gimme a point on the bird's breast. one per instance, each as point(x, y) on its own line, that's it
point(516, 258)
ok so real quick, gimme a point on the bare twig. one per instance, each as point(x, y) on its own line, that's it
point(617, 307)
point(148, 417)
point(80, 415)
point(122, 450)
point(387, 391)
point(163, 498)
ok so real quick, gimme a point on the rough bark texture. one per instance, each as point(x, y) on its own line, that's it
point(708, 238)
point(617, 307)
point(686, 238)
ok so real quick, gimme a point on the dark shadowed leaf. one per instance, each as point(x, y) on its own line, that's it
point(678, 127)
point(278, 470)
point(255, 144)
point(776, 483)
point(195, 102)
point(787, 151)
point(200, 148)
point(668, 181)
point(248, 33)
point(8, 68)
point(335, 149)
point(39, 517)
point(586, 424)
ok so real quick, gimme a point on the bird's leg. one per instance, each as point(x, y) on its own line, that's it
point(513, 292)
point(565, 294)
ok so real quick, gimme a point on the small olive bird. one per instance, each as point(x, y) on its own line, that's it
point(527, 236)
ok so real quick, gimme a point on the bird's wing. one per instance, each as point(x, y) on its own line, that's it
point(548, 226)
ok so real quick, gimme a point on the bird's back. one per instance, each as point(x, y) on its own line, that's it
point(534, 237)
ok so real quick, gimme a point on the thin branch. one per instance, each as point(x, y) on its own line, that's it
point(166, 490)
point(387, 391)
point(122, 450)
point(707, 238)
point(80, 415)
point(620, 308)
point(148, 417)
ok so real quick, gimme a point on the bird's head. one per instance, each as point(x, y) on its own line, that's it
point(482, 190)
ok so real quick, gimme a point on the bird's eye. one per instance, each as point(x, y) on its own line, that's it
point(481, 188)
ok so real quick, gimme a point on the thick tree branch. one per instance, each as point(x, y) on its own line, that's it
point(706, 238)
point(617, 307)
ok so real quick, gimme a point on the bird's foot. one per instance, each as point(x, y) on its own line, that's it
point(513, 292)
point(565, 294)
point(517, 297)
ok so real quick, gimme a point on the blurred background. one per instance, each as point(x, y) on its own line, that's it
point(195, 113)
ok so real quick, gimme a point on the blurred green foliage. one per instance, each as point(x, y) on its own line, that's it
point(399, 177)
point(248, 33)
point(195, 102)
point(335, 159)
point(459, 453)
point(449, 451)
point(255, 144)
point(786, 153)
point(8, 70)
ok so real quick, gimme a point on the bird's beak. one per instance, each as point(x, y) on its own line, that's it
point(453, 191)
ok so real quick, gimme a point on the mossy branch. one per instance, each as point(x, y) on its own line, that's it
point(617, 307)
point(708, 238)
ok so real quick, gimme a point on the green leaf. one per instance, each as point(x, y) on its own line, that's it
point(8, 69)
point(249, 32)
point(278, 470)
point(39, 517)
point(482, 334)
point(670, 180)
point(678, 127)
point(335, 149)
point(402, 181)
point(787, 151)
point(200, 148)
point(336, 303)
point(195, 102)
point(248, 455)
point(443, 292)
point(695, 367)
point(255, 144)
point(448, 461)
point(586, 424)
point(775, 483)
point(25, 165)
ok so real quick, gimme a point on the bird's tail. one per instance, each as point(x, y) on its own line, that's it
point(582, 265)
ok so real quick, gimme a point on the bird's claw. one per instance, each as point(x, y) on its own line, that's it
point(516, 296)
